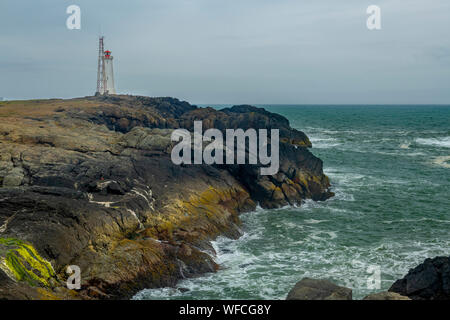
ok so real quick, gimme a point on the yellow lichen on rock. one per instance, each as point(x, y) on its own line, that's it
point(207, 213)
point(44, 294)
point(23, 262)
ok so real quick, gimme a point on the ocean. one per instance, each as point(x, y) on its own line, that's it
point(390, 169)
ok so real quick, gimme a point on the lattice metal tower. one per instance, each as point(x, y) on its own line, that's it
point(105, 72)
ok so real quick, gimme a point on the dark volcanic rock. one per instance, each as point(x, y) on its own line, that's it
point(428, 281)
point(318, 289)
point(89, 182)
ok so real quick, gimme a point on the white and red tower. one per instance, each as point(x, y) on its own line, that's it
point(105, 71)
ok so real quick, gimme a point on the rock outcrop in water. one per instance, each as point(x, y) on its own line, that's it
point(428, 281)
point(321, 289)
point(89, 182)
point(318, 289)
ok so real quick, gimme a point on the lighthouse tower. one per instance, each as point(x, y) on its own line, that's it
point(105, 71)
point(109, 73)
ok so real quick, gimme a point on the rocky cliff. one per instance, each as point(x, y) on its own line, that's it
point(89, 182)
point(430, 280)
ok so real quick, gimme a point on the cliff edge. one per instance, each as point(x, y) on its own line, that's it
point(89, 182)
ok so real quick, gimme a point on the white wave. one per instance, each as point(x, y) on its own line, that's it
point(405, 145)
point(310, 205)
point(313, 221)
point(343, 176)
point(443, 142)
point(311, 130)
point(262, 265)
point(270, 273)
point(443, 161)
point(323, 235)
point(147, 294)
point(324, 143)
point(415, 154)
point(416, 220)
point(344, 180)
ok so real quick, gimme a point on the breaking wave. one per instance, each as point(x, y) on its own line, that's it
point(443, 161)
point(390, 209)
point(443, 142)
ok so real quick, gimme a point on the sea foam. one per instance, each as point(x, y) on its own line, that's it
point(443, 161)
point(443, 142)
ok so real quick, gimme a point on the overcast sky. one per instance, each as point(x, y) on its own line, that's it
point(223, 51)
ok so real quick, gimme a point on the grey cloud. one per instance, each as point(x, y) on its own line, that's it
point(218, 51)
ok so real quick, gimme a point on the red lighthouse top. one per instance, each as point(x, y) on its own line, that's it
point(107, 54)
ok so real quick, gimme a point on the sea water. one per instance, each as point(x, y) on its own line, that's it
point(390, 169)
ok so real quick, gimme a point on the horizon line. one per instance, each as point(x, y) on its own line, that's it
point(5, 99)
point(325, 104)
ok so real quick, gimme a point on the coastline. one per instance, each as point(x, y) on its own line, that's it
point(88, 182)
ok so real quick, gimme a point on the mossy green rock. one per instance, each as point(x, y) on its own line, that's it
point(21, 260)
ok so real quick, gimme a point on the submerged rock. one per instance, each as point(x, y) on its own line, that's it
point(428, 281)
point(318, 289)
point(90, 182)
